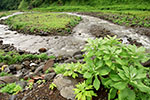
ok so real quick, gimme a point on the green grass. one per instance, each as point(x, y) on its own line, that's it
point(6, 13)
point(96, 8)
point(13, 57)
point(127, 17)
point(52, 23)
point(127, 14)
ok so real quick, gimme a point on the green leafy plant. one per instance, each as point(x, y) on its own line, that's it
point(30, 86)
point(11, 88)
point(84, 91)
point(12, 57)
point(69, 69)
point(114, 65)
point(4, 74)
point(52, 86)
point(40, 81)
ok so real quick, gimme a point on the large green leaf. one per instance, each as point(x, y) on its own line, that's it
point(87, 75)
point(142, 87)
point(108, 63)
point(96, 83)
point(120, 85)
point(104, 71)
point(115, 77)
point(112, 93)
point(126, 94)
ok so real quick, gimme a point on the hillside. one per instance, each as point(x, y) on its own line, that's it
point(29, 4)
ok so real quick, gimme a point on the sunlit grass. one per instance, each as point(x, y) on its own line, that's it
point(46, 22)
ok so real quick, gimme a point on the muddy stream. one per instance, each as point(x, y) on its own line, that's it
point(67, 45)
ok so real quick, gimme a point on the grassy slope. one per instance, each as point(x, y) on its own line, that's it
point(43, 22)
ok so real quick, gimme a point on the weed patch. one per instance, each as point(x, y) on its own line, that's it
point(12, 57)
point(44, 23)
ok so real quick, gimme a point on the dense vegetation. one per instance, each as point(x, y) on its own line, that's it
point(12, 57)
point(114, 65)
point(28, 4)
point(44, 23)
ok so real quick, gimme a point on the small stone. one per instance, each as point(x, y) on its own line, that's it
point(71, 60)
point(18, 67)
point(26, 63)
point(37, 70)
point(21, 83)
point(8, 79)
point(33, 65)
point(7, 33)
point(41, 50)
point(80, 56)
point(30, 75)
point(77, 53)
point(12, 68)
point(62, 81)
point(49, 76)
point(48, 64)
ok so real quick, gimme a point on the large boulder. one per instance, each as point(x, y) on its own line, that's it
point(65, 85)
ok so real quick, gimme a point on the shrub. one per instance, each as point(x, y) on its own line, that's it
point(115, 65)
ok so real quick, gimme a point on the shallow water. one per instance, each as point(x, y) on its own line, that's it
point(66, 45)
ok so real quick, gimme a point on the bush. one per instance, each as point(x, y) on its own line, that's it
point(115, 65)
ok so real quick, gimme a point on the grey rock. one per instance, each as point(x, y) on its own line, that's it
point(21, 83)
point(80, 56)
point(49, 76)
point(77, 53)
point(18, 67)
point(26, 63)
point(12, 97)
point(31, 74)
point(68, 93)
point(19, 74)
point(71, 60)
point(8, 79)
point(48, 65)
point(37, 70)
point(65, 86)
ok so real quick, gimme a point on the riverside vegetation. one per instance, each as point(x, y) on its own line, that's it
point(13, 57)
point(108, 63)
point(43, 23)
point(114, 65)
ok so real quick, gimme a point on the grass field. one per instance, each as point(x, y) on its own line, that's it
point(127, 17)
point(40, 23)
point(5, 13)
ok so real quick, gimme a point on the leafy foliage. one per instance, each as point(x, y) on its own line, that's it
point(52, 86)
point(84, 91)
point(128, 18)
point(11, 88)
point(4, 74)
point(12, 57)
point(115, 65)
